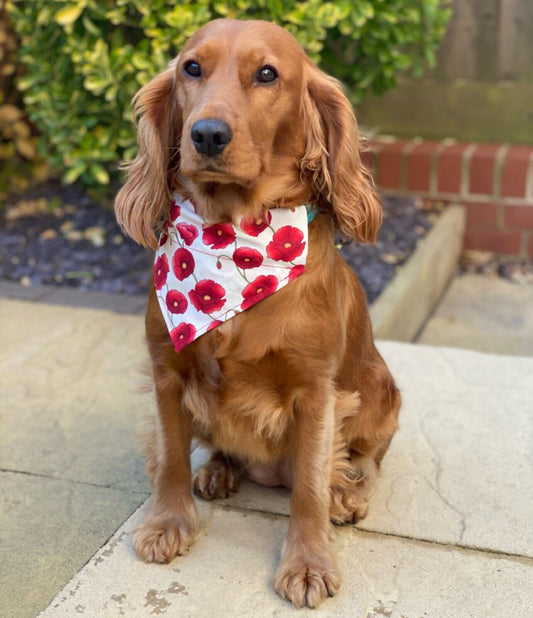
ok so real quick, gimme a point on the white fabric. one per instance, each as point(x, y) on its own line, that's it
point(206, 274)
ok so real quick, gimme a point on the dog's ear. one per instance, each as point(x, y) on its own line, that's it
point(145, 196)
point(332, 159)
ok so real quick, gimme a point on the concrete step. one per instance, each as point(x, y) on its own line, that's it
point(483, 313)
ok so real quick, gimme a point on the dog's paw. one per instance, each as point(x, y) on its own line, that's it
point(350, 487)
point(347, 507)
point(160, 538)
point(215, 479)
point(307, 581)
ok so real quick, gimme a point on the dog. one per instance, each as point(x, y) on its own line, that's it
point(289, 390)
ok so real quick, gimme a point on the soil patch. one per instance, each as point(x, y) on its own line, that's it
point(55, 235)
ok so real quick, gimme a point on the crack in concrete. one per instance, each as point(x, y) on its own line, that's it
point(437, 479)
point(75, 481)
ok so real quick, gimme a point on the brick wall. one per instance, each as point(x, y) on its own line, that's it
point(493, 181)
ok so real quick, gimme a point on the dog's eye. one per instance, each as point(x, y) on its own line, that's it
point(192, 68)
point(267, 74)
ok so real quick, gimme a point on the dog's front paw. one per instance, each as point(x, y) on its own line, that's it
point(162, 537)
point(215, 479)
point(347, 507)
point(307, 581)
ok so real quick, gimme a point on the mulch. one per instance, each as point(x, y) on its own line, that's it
point(56, 235)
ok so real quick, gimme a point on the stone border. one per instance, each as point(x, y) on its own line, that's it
point(404, 305)
point(71, 297)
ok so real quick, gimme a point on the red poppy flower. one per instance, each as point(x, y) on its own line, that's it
point(182, 263)
point(296, 271)
point(175, 210)
point(287, 244)
point(176, 302)
point(219, 235)
point(188, 232)
point(160, 271)
point(182, 335)
point(245, 257)
point(260, 288)
point(163, 238)
point(207, 296)
point(254, 227)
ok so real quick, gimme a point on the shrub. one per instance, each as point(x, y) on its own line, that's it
point(85, 59)
point(19, 164)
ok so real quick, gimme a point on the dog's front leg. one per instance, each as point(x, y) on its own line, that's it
point(172, 522)
point(308, 572)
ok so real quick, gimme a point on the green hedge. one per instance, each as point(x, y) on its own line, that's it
point(85, 59)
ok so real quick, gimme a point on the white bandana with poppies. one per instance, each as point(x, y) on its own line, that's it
point(205, 274)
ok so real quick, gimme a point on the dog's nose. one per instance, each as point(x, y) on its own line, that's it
point(210, 136)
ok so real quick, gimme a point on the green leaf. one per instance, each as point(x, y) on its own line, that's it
point(73, 173)
point(69, 14)
point(99, 173)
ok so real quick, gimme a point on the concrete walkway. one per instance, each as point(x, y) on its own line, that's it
point(449, 531)
point(483, 313)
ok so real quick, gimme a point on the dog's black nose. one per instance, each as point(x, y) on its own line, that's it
point(210, 136)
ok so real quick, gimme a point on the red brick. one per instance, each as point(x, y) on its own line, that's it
point(482, 168)
point(449, 168)
point(482, 215)
point(493, 240)
point(518, 216)
point(389, 166)
point(530, 246)
point(419, 166)
point(514, 171)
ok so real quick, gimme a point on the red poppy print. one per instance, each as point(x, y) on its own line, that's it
point(296, 271)
point(260, 288)
point(187, 232)
point(175, 210)
point(183, 263)
point(182, 335)
point(214, 324)
point(176, 302)
point(208, 296)
point(160, 271)
point(254, 227)
point(219, 235)
point(246, 257)
point(287, 244)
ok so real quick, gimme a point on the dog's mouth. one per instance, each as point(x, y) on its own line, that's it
point(214, 170)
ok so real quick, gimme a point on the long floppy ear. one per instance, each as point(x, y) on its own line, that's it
point(145, 195)
point(332, 159)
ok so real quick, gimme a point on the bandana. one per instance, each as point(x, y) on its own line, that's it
point(205, 274)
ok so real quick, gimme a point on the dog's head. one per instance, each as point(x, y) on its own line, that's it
point(242, 120)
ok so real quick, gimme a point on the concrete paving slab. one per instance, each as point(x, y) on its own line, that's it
point(49, 529)
point(229, 571)
point(71, 402)
point(70, 468)
point(485, 314)
point(459, 469)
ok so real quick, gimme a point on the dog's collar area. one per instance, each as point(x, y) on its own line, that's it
point(206, 274)
point(312, 212)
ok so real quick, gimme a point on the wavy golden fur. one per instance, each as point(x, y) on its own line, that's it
point(293, 390)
